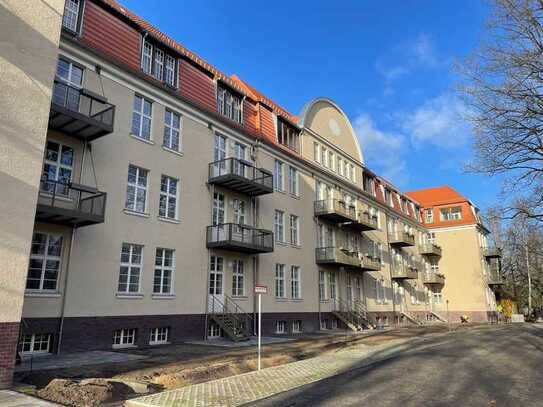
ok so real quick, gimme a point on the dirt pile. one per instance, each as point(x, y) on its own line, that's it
point(87, 393)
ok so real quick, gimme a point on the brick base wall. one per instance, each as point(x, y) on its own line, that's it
point(9, 334)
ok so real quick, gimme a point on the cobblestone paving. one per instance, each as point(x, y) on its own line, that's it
point(244, 388)
point(9, 398)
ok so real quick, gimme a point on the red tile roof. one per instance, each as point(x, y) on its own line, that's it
point(437, 196)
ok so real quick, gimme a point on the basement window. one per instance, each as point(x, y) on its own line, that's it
point(160, 336)
point(280, 327)
point(296, 327)
point(124, 338)
point(36, 343)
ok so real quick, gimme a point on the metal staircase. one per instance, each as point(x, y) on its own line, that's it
point(438, 317)
point(412, 318)
point(352, 313)
point(234, 322)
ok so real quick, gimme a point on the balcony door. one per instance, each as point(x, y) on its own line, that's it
point(216, 285)
point(239, 233)
point(218, 218)
point(57, 168)
point(239, 152)
point(219, 154)
point(69, 81)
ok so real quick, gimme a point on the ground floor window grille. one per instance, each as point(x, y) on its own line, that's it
point(296, 327)
point(159, 335)
point(323, 324)
point(214, 330)
point(36, 343)
point(280, 327)
point(334, 324)
point(124, 337)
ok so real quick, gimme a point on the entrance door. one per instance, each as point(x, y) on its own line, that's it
point(216, 285)
point(219, 154)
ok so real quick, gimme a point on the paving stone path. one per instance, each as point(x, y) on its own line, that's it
point(9, 398)
point(247, 387)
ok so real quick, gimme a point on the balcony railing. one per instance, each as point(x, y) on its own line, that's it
point(370, 263)
point(239, 238)
point(70, 204)
point(80, 113)
point(335, 210)
point(240, 176)
point(491, 252)
point(337, 256)
point(495, 277)
point(402, 239)
point(404, 272)
point(364, 222)
point(432, 277)
point(430, 249)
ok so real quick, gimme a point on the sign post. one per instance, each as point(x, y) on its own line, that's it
point(259, 290)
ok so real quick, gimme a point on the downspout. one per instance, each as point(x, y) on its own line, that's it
point(69, 259)
point(390, 272)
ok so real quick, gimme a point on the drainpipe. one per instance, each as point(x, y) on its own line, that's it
point(206, 296)
point(390, 272)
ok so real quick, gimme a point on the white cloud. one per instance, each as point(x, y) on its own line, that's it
point(438, 121)
point(383, 151)
point(423, 51)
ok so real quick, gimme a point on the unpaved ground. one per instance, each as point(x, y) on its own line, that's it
point(180, 365)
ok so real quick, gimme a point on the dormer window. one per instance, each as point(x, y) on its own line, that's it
point(70, 19)
point(157, 63)
point(228, 103)
point(388, 197)
point(289, 136)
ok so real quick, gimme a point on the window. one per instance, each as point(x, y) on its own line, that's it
point(368, 184)
point(438, 297)
point(279, 226)
point(322, 286)
point(216, 275)
point(429, 215)
point(294, 230)
point(141, 118)
point(239, 212)
point(333, 324)
point(36, 343)
point(453, 213)
point(295, 291)
point(280, 280)
point(172, 131)
point(380, 291)
point(169, 73)
point(130, 270)
point(431, 237)
point(388, 197)
point(70, 19)
point(288, 135)
point(280, 327)
point(403, 204)
point(136, 190)
point(238, 279)
point(156, 62)
point(124, 338)
point(228, 104)
point(322, 324)
point(45, 261)
point(324, 157)
point(159, 336)
point(164, 269)
point(332, 284)
point(296, 327)
point(317, 152)
point(293, 181)
point(340, 167)
point(347, 171)
point(331, 160)
point(57, 166)
point(66, 92)
point(278, 178)
point(353, 173)
point(218, 214)
point(168, 198)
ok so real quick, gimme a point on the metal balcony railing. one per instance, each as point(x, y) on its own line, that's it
point(430, 249)
point(364, 222)
point(79, 112)
point(239, 238)
point(402, 239)
point(335, 210)
point(337, 256)
point(491, 252)
point(404, 271)
point(241, 176)
point(70, 203)
point(432, 277)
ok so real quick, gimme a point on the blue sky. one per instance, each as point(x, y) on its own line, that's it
point(388, 64)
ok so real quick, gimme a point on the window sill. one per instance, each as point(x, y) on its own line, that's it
point(280, 333)
point(159, 343)
point(124, 346)
point(240, 297)
point(296, 246)
point(297, 300)
point(295, 196)
point(281, 299)
point(281, 243)
point(163, 296)
point(168, 220)
point(280, 191)
point(134, 213)
point(129, 296)
point(170, 150)
point(42, 294)
point(150, 142)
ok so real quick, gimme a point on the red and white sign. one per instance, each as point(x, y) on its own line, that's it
point(261, 289)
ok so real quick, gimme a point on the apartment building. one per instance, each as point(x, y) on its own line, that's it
point(469, 262)
point(170, 189)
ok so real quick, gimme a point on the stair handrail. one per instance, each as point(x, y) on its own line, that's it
point(233, 309)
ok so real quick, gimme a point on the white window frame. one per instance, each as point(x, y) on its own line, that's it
point(124, 338)
point(58, 165)
point(323, 292)
point(294, 223)
point(238, 278)
point(142, 116)
point(429, 215)
point(33, 341)
point(280, 327)
point(279, 176)
point(161, 269)
point(45, 258)
point(71, 15)
point(449, 213)
point(280, 291)
point(316, 152)
point(168, 197)
point(137, 186)
point(133, 269)
point(169, 71)
point(296, 326)
point(158, 64)
point(170, 131)
point(147, 57)
point(293, 181)
point(295, 282)
point(160, 336)
point(279, 222)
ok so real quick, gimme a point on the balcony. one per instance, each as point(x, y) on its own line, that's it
point(433, 278)
point(239, 238)
point(370, 263)
point(70, 204)
point(80, 113)
point(491, 252)
point(240, 176)
point(337, 256)
point(430, 249)
point(364, 222)
point(335, 210)
point(404, 272)
point(402, 239)
point(495, 277)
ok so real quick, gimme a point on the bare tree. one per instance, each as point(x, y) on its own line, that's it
point(503, 88)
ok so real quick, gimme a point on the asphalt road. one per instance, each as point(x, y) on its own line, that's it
point(493, 366)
